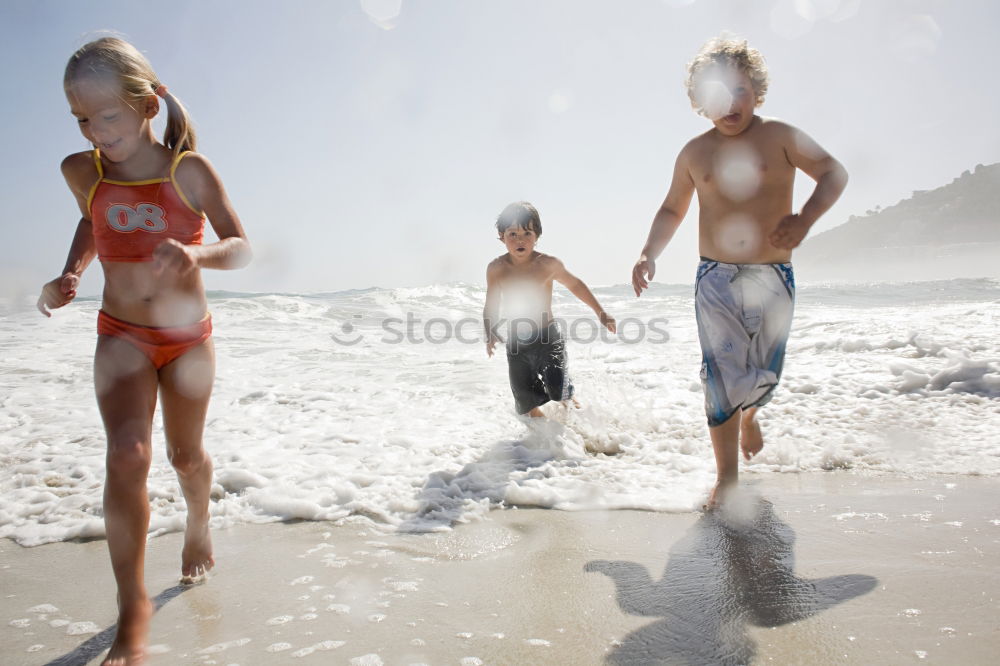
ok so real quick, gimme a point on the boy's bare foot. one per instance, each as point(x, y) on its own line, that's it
point(196, 556)
point(718, 495)
point(129, 647)
point(536, 413)
point(751, 438)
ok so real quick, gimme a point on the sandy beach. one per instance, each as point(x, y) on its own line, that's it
point(810, 569)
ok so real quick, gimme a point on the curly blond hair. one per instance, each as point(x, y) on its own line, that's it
point(730, 52)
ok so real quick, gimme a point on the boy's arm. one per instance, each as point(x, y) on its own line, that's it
point(831, 179)
point(577, 287)
point(79, 172)
point(665, 222)
point(491, 310)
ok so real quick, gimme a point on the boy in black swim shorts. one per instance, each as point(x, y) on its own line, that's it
point(522, 279)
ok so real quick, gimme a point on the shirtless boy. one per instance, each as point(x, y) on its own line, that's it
point(743, 170)
point(522, 278)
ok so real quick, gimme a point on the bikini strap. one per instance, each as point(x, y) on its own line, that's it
point(177, 187)
point(100, 176)
point(97, 162)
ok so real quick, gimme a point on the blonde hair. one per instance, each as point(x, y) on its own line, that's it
point(111, 56)
point(727, 51)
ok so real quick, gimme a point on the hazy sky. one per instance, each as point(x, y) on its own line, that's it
point(362, 152)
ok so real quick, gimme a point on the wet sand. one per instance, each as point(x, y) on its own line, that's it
point(809, 569)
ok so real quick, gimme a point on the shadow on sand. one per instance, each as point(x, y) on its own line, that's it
point(724, 575)
point(95, 645)
point(445, 497)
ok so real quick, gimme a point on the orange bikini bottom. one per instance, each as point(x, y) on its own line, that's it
point(161, 345)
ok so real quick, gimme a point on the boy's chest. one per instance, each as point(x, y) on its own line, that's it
point(740, 170)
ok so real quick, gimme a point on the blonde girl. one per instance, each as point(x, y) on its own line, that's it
point(143, 207)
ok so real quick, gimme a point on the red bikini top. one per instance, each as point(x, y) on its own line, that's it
point(130, 218)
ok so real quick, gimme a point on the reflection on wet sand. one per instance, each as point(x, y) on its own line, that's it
point(723, 576)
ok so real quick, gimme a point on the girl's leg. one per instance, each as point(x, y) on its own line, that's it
point(185, 389)
point(126, 381)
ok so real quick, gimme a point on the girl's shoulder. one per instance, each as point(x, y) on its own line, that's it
point(193, 170)
point(80, 170)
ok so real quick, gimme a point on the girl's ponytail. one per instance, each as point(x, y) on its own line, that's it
point(179, 134)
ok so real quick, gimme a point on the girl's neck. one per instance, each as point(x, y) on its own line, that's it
point(150, 160)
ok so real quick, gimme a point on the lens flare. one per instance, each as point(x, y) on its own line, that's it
point(737, 172)
point(383, 13)
point(738, 236)
point(713, 97)
point(807, 147)
point(113, 367)
point(792, 18)
point(916, 38)
point(560, 101)
point(194, 378)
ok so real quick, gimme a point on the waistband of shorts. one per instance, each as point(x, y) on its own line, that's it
point(705, 261)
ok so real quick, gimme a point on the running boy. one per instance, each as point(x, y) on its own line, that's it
point(536, 352)
point(743, 170)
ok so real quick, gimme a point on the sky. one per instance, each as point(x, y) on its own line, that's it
point(372, 143)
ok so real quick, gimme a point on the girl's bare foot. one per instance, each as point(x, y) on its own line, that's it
point(751, 438)
point(129, 647)
point(196, 556)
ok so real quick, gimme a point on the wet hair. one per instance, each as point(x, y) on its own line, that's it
point(519, 214)
point(114, 57)
point(727, 51)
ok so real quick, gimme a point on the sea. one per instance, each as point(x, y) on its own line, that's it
point(382, 405)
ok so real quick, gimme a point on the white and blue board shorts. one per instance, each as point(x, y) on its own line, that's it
point(744, 314)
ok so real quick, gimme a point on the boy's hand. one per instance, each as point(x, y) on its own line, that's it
point(491, 343)
point(642, 273)
point(57, 293)
point(791, 230)
point(608, 321)
point(174, 256)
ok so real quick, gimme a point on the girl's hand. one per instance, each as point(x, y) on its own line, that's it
point(173, 256)
point(57, 293)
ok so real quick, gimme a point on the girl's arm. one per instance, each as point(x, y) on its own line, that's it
point(577, 287)
point(78, 170)
point(205, 191)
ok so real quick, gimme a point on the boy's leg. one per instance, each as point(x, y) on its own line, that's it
point(751, 438)
point(125, 381)
point(554, 372)
point(185, 390)
point(767, 349)
point(725, 445)
point(525, 384)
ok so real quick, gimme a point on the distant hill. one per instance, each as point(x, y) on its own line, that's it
point(952, 231)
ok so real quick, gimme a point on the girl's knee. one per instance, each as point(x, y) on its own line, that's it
point(129, 458)
point(188, 460)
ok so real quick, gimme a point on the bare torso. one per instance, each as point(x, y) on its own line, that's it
point(744, 185)
point(135, 292)
point(526, 287)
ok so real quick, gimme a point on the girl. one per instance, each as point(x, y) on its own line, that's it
point(143, 207)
